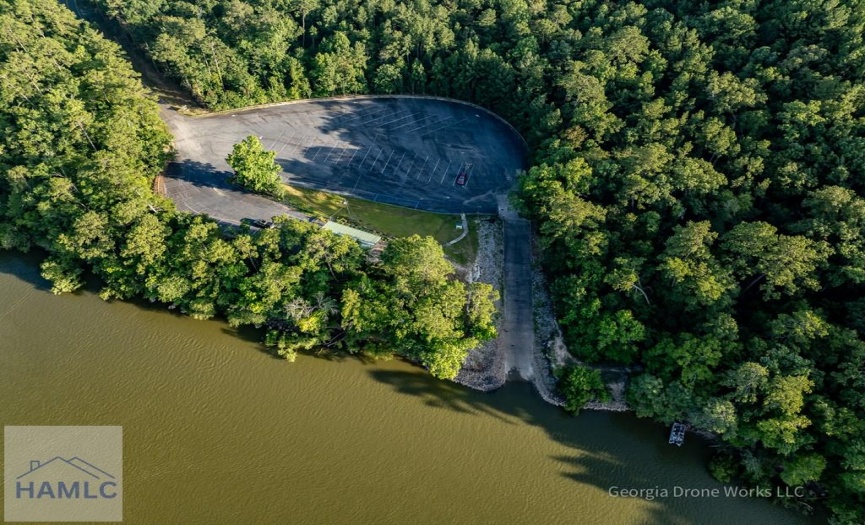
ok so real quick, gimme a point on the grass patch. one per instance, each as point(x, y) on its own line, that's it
point(387, 220)
point(384, 219)
point(465, 251)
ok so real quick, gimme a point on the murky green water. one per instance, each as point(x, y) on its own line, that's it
point(215, 431)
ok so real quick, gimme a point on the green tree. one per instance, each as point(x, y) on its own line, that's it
point(579, 385)
point(418, 309)
point(255, 168)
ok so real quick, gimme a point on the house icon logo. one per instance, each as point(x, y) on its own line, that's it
point(63, 474)
point(51, 480)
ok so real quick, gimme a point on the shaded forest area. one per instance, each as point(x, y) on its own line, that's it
point(698, 182)
point(81, 144)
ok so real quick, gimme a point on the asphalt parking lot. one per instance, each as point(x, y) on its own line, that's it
point(403, 151)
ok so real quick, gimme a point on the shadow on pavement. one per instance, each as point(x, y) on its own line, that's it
point(200, 174)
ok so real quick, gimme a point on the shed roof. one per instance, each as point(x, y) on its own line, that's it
point(364, 238)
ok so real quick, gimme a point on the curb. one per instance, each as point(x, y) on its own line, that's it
point(365, 97)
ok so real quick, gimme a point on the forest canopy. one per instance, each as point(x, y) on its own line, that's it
point(697, 182)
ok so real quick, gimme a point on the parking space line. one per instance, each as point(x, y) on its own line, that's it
point(332, 149)
point(443, 127)
point(434, 169)
point(301, 141)
point(273, 145)
point(364, 157)
point(463, 165)
point(446, 172)
point(380, 151)
point(381, 114)
point(410, 123)
point(429, 124)
point(341, 153)
point(368, 122)
point(316, 151)
point(287, 141)
point(388, 161)
point(395, 170)
point(469, 167)
point(420, 171)
point(408, 170)
point(361, 115)
point(360, 176)
point(410, 115)
point(352, 157)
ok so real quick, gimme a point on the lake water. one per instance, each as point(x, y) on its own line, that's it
point(217, 431)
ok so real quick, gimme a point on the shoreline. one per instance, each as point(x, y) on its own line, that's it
point(484, 368)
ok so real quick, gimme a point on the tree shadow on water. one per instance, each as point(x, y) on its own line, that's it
point(256, 335)
point(25, 267)
point(603, 450)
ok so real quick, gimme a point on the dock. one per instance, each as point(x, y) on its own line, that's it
point(677, 434)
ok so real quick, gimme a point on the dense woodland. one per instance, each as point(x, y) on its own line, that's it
point(698, 172)
point(80, 146)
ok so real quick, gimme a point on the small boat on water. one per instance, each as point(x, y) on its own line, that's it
point(677, 434)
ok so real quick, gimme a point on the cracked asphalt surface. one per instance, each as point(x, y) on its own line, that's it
point(395, 150)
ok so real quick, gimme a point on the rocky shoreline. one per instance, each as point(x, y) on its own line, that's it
point(551, 351)
point(484, 368)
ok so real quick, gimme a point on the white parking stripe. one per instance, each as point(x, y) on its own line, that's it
point(413, 122)
point(368, 122)
point(446, 172)
point(360, 114)
point(273, 145)
point(365, 156)
point(420, 171)
point(352, 157)
point(434, 169)
point(410, 115)
point(388, 161)
point(317, 151)
point(443, 127)
point(299, 142)
point(395, 170)
point(286, 143)
point(332, 149)
point(408, 170)
point(380, 151)
point(429, 124)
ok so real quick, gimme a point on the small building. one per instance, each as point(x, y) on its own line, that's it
point(366, 239)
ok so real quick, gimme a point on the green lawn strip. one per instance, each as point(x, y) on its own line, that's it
point(383, 219)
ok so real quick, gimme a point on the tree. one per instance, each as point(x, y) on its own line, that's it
point(802, 469)
point(698, 278)
point(417, 309)
point(786, 262)
point(579, 385)
point(255, 168)
point(339, 67)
